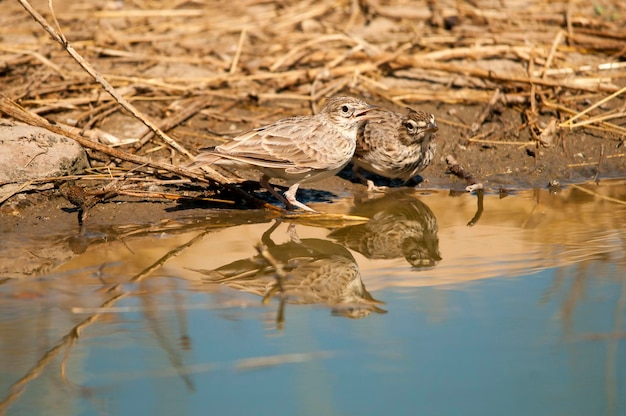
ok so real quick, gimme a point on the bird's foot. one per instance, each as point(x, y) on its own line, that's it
point(293, 203)
point(371, 188)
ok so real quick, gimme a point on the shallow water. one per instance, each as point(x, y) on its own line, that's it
point(433, 306)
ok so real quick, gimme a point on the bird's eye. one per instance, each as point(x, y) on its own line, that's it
point(345, 109)
point(411, 126)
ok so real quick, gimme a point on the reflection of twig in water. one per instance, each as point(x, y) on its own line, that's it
point(170, 254)
point(281, 277)
point(576, 293)
point(184, 338)
point(17, 389)
point(532, 211)
point(162, 339)
point(172, 355)
point(613, 338)
point(597, 195)
point(612, 353)
point(557, 283)
point(479, 209)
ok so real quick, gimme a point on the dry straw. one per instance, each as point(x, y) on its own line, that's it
point(285, 59)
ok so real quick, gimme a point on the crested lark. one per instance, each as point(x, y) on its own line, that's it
point(395, 146)
point(297, 149)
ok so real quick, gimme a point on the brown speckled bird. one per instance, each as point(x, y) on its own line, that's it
point(395, 146)
point(297, 149)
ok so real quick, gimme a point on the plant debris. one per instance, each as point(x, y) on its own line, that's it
point(149, 86)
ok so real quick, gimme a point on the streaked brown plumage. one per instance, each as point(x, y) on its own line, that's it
point(395, 146)
point(297, 149)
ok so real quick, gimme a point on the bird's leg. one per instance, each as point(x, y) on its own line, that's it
point(375, 189)
point(266, 184)
point(370, 184)
point(289, 198)
point(290, 194)
point(266, 239)
point(293, 235)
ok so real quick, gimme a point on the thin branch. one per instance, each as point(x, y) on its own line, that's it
point(242, 38)
point(14, 110)
point(570, 121)
point(57, 36)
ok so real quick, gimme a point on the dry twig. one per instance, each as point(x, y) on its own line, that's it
point(58, 36)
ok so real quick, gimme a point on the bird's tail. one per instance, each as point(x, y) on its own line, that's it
point(205, 157)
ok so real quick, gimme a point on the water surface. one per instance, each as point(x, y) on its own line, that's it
point(438, 304)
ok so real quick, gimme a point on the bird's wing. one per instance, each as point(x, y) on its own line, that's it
point(379, 131)
point(295, 143)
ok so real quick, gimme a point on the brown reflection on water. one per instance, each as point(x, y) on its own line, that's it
point(299, 271)
point(410, 240)
point(522, 233)
point(400, 226)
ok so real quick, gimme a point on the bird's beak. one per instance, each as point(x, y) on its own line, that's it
point(363, 114)
point(432, 127)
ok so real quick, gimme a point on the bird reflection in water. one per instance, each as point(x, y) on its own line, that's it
point(300, 271)
point(400, 225)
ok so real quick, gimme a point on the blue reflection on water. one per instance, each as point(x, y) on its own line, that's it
point(514, 346)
